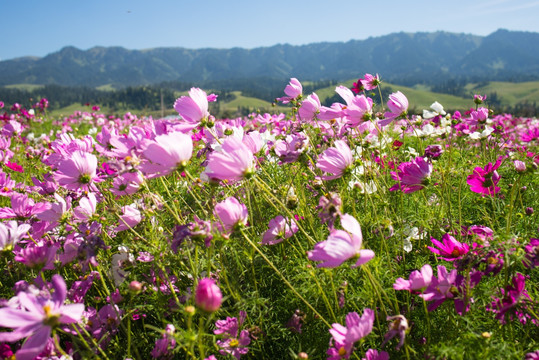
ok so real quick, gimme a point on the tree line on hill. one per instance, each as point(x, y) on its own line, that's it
point(159, 96)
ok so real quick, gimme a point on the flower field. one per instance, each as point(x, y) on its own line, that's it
point(355, 231)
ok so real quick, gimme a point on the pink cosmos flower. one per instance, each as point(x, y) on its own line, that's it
point(280, 228)
point(193, 108)
point(78, 172)
point(412, 176)
point(342, 343)
point(87, 207)
point(418, 280)
point(130, 218)
point(234, 162)
point(370, 82)
point(398, 106)
point(36, 318)
point(449, 249)
point(10, 233)
point(310, 107)
point(292, 90)
point(22, 206)
point(484, 180)
point(55, 211)
point(126, 184)
point(335, 160)
point(167, 153)
point(231, 213)
point(358, 109)
point(342, 245)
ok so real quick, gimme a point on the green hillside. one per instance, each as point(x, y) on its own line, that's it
point(508, 93)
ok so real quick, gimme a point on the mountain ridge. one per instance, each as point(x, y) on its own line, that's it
point(404, 57)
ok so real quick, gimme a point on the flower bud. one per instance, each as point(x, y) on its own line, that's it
point(520, 166)
point(208, 296)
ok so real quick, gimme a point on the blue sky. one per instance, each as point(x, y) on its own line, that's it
point(37, 27)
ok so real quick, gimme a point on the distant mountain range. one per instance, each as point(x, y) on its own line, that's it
point(406, 58)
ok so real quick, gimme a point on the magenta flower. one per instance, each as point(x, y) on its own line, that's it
point(193, 108)
point(412, 176)
point(165, 344)
point(513, 302)
point(36, 318)
point(531, 259)
point(233, 162)
point(280, 228)
point(344, 337)
point(167, 153)
point(373, 354)
point(39, 256)
point(335, 160)
point(127, 183)
point(341, 246)
point(419, 280)
point(231, 214)
point(445, 286)
point(208, 296)
point(78, 172)
point(484, 180)
point(398, 106)
point(231, 343)
point(449, 249)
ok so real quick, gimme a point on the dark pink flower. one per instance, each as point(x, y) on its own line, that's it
point(14, 166)
point(208, 296)
point(449, 249)
point(513, 302)
point(484, 180)
point(412, 176)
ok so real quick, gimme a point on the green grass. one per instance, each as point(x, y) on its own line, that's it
point(26, 87)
